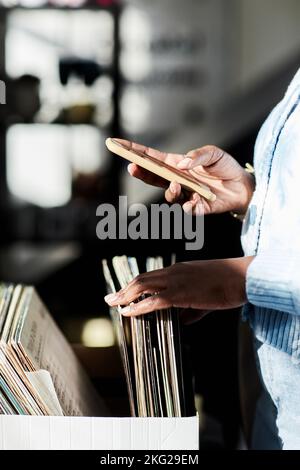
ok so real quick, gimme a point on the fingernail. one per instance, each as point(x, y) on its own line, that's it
point(111, 298)
point(173, 187)
point(199, 209)
point(126, 310)
point(185, 163)
point(188, 207)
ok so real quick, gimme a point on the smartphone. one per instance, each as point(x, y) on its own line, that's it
point(160, 168)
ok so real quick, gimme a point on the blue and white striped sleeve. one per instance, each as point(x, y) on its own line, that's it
point(273, 281)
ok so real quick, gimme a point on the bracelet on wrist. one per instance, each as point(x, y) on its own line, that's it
point(249, 168)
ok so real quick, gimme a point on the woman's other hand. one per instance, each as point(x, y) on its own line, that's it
point(198, 285)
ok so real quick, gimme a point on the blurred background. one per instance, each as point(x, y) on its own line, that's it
point(167, 73)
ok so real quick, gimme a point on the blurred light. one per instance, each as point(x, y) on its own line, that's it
point(84, 148)
point(9, 3)
point(135, 110)
point(35, 40)
point(101, 92)
point(33, 43)
point(32, 3)
point(135, 33)
point(37, 168)
point(41, 159)
point(67, 3)
point(98, 332)
point(135, 66)
point(90, 35)
point(135, 28)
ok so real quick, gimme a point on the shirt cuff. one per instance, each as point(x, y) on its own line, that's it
point(272, 281)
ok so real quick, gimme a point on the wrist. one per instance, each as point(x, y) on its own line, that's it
point(235, 284)
point(248, 181)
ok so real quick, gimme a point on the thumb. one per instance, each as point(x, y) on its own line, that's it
point(204, 156)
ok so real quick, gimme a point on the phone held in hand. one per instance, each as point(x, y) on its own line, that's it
point(160, 168)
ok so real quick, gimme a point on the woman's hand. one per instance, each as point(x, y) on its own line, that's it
point(197, 285)
point(212, 167)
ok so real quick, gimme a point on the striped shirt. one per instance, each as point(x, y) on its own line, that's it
point(271, 229)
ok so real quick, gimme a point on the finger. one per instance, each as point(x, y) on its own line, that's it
point(198, 207)
point(148, 305)
point(173, 193)
point(146, 176)
point(147, 283)
point(188, 207)
point(204, 156)
point(195, 205)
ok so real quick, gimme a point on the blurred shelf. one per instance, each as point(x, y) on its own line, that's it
point(69, 124)
point(110, 6)
point(29, 263)
point(55, 8)
point(75, 219)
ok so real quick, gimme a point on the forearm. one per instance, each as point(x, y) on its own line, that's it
point(233, 280)
point(208, 285)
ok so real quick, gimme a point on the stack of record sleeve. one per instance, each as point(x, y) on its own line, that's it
point(39, 372)
point(150, 347)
